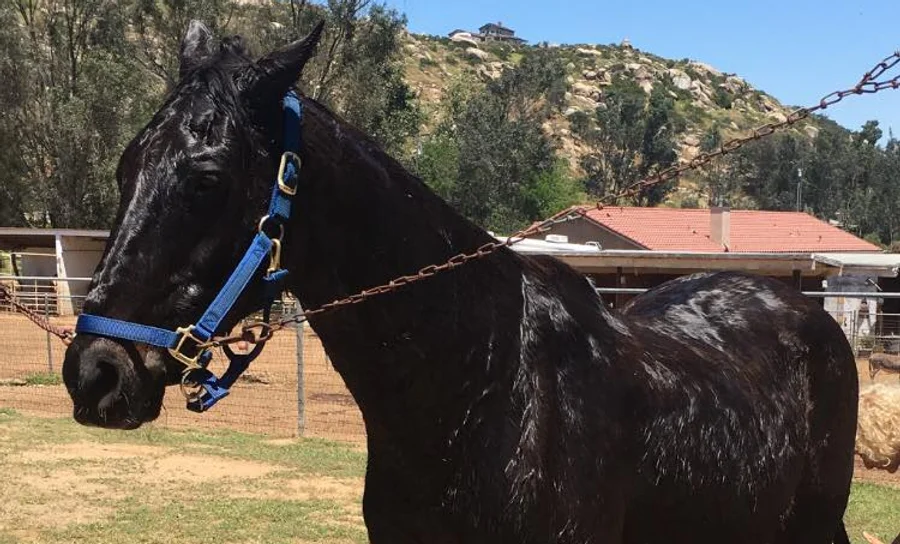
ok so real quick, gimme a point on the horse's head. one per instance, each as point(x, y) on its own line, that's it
point(193, 183)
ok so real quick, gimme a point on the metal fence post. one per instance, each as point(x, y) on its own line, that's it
point(49, 346)
point(301, 389)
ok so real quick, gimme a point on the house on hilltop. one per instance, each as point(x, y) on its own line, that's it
point(490, 32)
point(498, 32)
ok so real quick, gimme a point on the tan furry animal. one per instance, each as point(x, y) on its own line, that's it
point(883, 361)
point(878, 427)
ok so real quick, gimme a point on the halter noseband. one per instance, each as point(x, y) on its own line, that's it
point(193, 337)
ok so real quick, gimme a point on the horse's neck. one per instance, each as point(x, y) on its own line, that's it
point(414, 359)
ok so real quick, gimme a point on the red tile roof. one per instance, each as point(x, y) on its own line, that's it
point(752, 231)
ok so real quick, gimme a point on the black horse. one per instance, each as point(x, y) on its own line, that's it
point(502, 401)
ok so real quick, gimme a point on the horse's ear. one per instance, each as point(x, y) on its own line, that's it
point(195, 47)
point(279, 70)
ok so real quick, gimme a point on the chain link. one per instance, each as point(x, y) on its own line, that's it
point(866, 85)
point(65, 335)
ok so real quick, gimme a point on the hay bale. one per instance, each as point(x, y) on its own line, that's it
point(878, 427)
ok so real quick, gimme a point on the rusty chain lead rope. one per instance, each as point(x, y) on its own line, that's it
point(866, 85)
point(65, 335)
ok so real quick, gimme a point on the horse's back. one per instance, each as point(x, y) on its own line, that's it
point(751, 410)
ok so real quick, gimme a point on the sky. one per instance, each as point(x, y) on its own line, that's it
point(794, 50)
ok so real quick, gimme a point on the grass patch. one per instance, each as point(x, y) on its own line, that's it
point(43, 378)
point(68, 483)
point(873, 508)
point(310, 494)
point(221, 520)
point(304, 455)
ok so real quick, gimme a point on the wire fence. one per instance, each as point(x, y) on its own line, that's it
point(290, 390)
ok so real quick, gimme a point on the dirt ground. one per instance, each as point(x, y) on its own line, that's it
point(265, 402)
point(66, 483)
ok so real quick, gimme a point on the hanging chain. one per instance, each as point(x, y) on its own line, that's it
point(65, 335)
point(258, 332)
point(866, 85)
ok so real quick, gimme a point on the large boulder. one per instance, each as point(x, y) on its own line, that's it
point(464, 37)
point(587, 91)
point(603, 78)
point(778, 116)
point(639, 71)
point(584, 103)
point(585, 52)
point(477, 53)
point(489, 72)
point(735, 85)
point(705, 67)
point(701, 92)
point(680, 79)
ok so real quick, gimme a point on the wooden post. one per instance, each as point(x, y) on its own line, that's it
point(301, 393)
point(49, 342)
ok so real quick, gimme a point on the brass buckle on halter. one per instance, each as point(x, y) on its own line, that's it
point(286, 157)
point(275, 256)
point(186, 334)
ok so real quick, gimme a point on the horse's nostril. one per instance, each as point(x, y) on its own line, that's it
point(101, 381)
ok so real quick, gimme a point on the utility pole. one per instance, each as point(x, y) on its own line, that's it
point(799, 189)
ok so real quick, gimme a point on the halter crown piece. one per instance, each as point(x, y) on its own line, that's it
point(190, 339)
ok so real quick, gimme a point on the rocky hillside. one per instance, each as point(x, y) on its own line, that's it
point(705, 96)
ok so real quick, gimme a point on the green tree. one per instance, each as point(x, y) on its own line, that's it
point(82, 76)
point(357, 70)
point(716, 177)
point(159, 26)
point(490, 156)
point(635, 138)
point(838, 175)
point(73, 101)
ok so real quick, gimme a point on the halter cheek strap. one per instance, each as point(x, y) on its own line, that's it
point(191, 339)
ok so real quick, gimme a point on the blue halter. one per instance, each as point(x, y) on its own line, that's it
point(192, 337)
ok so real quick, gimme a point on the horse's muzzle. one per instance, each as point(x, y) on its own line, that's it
point(109, 384)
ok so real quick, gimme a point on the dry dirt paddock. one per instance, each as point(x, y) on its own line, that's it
point(65, 483)
point(61, 482)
